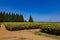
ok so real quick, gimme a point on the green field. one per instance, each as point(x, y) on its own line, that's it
point(47, 27)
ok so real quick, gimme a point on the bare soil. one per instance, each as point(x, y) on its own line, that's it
point(21, 35)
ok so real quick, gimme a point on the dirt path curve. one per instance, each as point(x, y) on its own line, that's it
point(21, 35)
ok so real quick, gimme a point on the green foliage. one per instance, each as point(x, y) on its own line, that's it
point(30, 19)
point(51, 28)
point(11, 17)
point(1, 17)
point(21, 18)
point(21, 27)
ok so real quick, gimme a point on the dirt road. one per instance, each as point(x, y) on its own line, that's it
point(21, 35)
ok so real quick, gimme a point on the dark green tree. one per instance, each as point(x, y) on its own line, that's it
point(17, 18)
point(11, 17)
point(1, 17)
point(4, 16)
point(30, 19)
point(21, 18)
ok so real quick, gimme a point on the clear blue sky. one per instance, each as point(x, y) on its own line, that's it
point(41, 10)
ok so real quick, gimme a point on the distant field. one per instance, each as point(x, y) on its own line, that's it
point(47, 23)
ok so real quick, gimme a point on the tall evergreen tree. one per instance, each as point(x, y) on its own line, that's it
point(30, 19)
point(1, 17)
point(17, 18)
point(4, 16)
point(21, 18)
point(11, 17)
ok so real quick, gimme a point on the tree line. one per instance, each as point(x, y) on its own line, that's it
point(12, 17)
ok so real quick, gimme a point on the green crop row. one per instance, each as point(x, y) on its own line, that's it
point(21, 27)
point(52, 28)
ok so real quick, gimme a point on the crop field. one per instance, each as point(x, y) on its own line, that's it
point(48, 27)
point(51, 28)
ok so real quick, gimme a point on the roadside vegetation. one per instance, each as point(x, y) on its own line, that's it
point(47, 35)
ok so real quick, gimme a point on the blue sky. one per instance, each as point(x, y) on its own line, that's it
point(41, 10)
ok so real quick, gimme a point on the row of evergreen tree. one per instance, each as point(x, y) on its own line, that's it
point(12, 17)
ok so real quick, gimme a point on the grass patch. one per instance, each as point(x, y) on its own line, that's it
point(47, 35)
